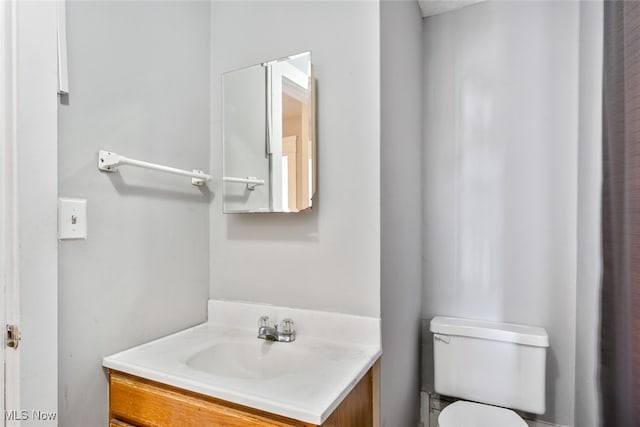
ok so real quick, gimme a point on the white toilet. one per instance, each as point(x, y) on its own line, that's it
point(494, 365)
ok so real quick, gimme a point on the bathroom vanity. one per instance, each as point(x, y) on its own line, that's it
point(220, 373)
point(135, 401)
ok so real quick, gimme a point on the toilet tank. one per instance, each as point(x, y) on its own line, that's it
point(500, 364)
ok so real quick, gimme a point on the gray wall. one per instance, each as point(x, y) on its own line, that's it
point(401, 210)
point(327, 258)
point(139, 82)
point(587, 410)
point(500, 174)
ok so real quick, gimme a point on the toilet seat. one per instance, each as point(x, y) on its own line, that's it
point(470, 414)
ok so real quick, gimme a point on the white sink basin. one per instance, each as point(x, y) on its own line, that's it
point(222, 358)
point(255, 359)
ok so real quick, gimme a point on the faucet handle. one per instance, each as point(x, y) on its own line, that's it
point(263, 321)
point(287, 326)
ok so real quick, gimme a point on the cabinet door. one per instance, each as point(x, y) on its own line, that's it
point(140, 402)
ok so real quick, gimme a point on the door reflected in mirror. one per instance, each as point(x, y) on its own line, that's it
point(269, 146)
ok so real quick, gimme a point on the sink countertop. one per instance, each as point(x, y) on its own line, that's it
point(332, 352)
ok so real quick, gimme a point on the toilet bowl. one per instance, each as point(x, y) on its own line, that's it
point(470, 414)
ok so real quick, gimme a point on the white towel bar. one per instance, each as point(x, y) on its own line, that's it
point(109, 162)
point(251, 181)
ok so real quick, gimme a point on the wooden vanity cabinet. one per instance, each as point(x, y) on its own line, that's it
point(138, 402)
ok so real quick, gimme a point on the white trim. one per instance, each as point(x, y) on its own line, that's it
point(61, 35)
point(275, 98)
point(29, 201)
point(9, 203)
point(296, 76)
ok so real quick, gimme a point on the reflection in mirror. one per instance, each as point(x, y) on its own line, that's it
point(269, 140)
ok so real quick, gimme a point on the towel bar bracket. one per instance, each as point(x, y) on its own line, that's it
point(198, 181)
point(108, 161)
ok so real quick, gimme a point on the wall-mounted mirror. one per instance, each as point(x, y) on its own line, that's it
point(269, 144)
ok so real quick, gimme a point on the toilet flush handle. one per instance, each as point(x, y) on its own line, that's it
point(442, 338)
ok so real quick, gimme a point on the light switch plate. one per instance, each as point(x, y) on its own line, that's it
point(72, 218)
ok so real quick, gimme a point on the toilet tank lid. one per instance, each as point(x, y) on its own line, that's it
point(496, 331)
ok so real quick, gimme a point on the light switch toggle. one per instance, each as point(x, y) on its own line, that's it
point(72, 218)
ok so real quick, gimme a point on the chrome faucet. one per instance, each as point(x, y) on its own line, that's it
point(271, 333)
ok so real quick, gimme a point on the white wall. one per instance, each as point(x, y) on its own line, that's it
point(401, 210)
point(328, 258)
point(139, 85)
point(500, 177)
point(587, 411)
